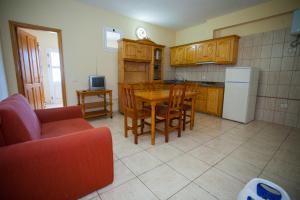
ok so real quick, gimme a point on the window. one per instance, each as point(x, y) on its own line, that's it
point(111, 37)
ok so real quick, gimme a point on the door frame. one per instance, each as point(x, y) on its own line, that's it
point(13, 25)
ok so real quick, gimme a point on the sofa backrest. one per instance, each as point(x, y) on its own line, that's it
point(18, 121)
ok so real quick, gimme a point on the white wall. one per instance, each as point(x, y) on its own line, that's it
point(3, 85)
point(270, 8)
point(46, 40)
point(82, 33)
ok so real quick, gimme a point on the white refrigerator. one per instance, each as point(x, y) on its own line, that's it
point(240, 93)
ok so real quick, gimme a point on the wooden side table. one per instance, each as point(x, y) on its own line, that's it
point(97, 108)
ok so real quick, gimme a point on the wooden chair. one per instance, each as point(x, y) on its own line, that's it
point(173, 111)
point(188, 112)
point(131, 110)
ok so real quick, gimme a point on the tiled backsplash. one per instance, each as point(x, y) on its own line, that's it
point(278, 98)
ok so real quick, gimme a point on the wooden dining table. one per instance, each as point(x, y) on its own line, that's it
point(155, 97)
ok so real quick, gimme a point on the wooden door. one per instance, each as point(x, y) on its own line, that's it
point(212, 100)
point(31, 69)
point(224, 50)
point(190, 54)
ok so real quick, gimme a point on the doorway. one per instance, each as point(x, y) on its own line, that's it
point(39, 64)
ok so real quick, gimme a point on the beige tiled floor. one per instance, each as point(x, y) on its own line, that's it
point(213, 161)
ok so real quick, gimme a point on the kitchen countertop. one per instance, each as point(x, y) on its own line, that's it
point(202, 83)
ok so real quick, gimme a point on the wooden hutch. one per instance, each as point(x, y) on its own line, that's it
point(139, 61)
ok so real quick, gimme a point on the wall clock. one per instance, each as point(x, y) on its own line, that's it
point(141, 33)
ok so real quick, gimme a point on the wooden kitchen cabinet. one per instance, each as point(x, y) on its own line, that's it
point(210, 100)
point(190, 54)
point(215, 101)
point(201, 100)
point(220, 51)
point(226, 51)
point(176, 56)
point(137, 51)
point(206, 51)
point(139, 61)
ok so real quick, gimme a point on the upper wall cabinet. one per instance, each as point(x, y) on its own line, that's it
point(226, 52)
point(220, 51)
point(190, 54)
point(178, 56)
point(136, 51)
point(206, 51)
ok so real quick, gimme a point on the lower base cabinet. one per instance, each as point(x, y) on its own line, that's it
point(210, 100)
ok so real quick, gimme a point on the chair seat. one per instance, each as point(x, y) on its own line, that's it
point(161, 111)
point(141, 114)
point(63, 127)
point(186, 107)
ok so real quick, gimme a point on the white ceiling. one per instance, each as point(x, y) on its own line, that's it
point(175, 14)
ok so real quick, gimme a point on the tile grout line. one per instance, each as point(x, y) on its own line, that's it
point(142, 181)
point(275, 153)
point(214, 165)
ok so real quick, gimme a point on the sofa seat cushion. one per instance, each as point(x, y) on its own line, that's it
point(57, 128)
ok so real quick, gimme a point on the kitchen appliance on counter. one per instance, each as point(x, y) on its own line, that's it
point(240, 93)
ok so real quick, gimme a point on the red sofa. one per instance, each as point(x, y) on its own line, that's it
point(51, 153)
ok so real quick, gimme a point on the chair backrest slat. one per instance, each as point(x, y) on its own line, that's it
point(128, 98)
point(176, 97)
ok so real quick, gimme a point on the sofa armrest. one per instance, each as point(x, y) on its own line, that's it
point(55, 114)
point(64, 167)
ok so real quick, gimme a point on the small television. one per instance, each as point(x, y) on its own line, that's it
point(96, 82)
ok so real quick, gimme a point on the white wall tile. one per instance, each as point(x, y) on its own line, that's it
point(283, 91)
point(248, 41)
point(262, 90)
point(287, 63)
point(279, 117)
point(293, 106)
point(271, 90)
point(263, 77)
point(288, 36)
point(270, 103)
point(265, 64)
point(267, 38)
point(259, 114)
point(268, 115)
point(266, 51)
point(288, 50)
point(273, 77)
point(277, 50)
point(297, 63)
point(291, 120)
point(296, 78)
point(256, 51)
point(281, 105)
point(260, 103)
point(285, 77)
point(257, 39)
point(275, 64)
point(278, 36)
point(294, 92)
